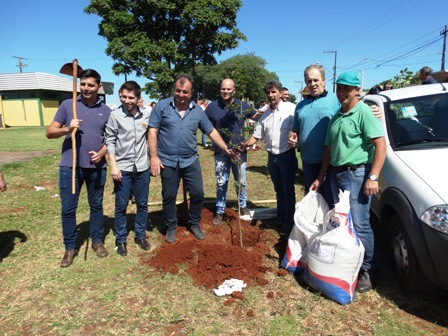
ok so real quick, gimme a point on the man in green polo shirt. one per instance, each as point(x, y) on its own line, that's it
point(353, 159)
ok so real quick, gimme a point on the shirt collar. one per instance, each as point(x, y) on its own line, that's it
point(278, 106)
point(235, 101)
point(79, 98)
point(127, 112)
point(323, 94)
point(191, 105)
point(354, 109)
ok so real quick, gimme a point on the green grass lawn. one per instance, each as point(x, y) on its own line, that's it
point(27, 139)
point(118, 296)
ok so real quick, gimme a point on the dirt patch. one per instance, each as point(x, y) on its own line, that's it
point(220, 256)
point(8, 157)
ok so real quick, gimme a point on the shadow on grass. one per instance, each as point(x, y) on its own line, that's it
point(263, 170)
point(300, 181)
point(155, 221)
point(83, 233)
point(7, 242)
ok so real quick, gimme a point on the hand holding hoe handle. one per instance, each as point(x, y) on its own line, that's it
point(73, 69)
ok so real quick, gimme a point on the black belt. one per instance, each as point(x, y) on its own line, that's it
point(349, 167)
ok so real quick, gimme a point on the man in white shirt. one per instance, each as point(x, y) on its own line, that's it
point(273, 128)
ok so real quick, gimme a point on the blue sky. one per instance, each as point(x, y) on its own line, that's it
point(376, 38)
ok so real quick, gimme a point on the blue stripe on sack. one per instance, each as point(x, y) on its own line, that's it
point(331, 290)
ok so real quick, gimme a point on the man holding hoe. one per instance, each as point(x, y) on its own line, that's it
point(90, 165)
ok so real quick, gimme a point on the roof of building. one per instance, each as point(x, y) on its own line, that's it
point(36, 81)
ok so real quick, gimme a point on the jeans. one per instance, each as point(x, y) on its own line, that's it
point(138, 184)
point(353, 181)
point(222, 171)
point(310, 174)
point(204, 139)
point(95, 180)
point(192, 179)
point(282, 169)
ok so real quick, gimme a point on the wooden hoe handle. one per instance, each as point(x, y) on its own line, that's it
point(75, 91)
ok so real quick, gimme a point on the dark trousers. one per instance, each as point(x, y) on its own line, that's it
point(311, 173)
point(282, 169)
point(192, 179)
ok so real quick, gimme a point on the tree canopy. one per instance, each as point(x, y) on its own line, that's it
point(248, 71)
point(158, 39)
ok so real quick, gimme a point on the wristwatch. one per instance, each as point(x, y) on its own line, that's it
point(373, 177)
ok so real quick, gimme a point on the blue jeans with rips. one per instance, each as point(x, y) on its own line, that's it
point(282, 169)
point(353, 181)
point(95, 180)
point(192, 179)
point(138, 184)
point(222, 171)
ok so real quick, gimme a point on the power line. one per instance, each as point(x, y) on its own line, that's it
point(409, 53)
point(397, 10)
point(376, 63)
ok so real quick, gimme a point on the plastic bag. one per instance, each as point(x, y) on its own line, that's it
point(308, 218)
point(335, 255)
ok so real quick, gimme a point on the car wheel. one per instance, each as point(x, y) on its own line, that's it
point(404, 259)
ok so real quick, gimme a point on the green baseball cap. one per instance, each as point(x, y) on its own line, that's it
point(349, 78)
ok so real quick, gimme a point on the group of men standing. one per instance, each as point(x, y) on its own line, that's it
point(341, 143)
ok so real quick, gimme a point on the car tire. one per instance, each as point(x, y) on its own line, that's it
point(404, 260)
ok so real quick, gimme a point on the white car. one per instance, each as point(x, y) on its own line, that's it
point(412, 203)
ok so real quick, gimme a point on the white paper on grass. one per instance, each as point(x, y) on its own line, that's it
point(230, 286)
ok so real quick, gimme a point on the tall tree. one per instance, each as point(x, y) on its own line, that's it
point(247, 70)
point(292, 98)
point(158, 39)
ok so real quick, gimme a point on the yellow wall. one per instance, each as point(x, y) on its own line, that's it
point(49, 108)
point(21, 112)
point(25, 112)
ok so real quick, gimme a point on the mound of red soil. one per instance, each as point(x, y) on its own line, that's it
point(219, 256)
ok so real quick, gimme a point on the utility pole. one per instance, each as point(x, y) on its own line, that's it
point(301, 84)
point(21, 65)
point(445, 31)
point(334, 66)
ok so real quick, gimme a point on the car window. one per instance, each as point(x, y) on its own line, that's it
point(418, 121)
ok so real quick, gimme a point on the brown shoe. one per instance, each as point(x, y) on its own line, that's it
point(217, 220)
point(245, 212)
point(67, 259)
point(100, 250)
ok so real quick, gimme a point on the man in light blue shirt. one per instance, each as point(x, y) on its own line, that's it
point(174, 153)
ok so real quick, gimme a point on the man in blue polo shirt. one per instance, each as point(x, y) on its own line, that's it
point(174, 153)
point(228, 115)
point(92, 116)
point(356, 150)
